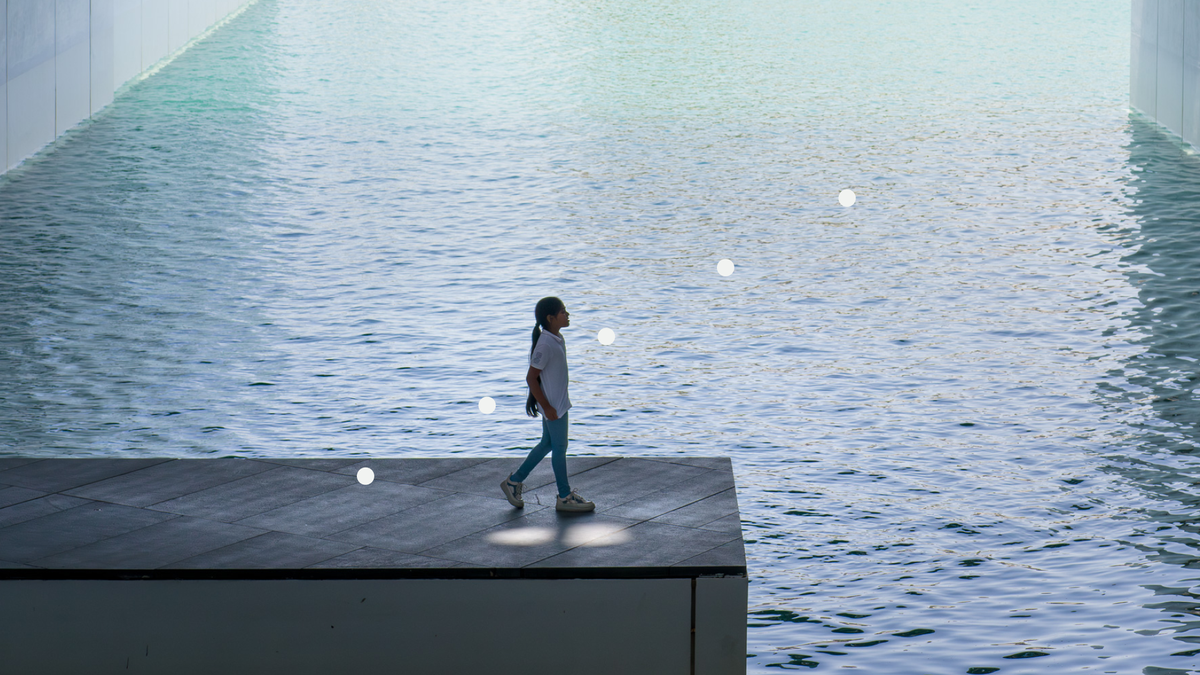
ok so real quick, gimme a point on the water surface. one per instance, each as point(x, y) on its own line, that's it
point(961, 411)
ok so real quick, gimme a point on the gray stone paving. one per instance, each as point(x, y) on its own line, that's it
point(168, 518)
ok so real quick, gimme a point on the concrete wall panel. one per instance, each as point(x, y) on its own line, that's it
point(102, 54)
point(209, 10)
point(154, 32)
point(1169, 100)
point(72, 63)
point(30, 35)
point(195, 18)
point(127, 40)
point(365, 627)
point(3, 86)
point(178, 31)
point(72, 25)
point(1191, 72)
point(30, 90)
point(721, 625)
point(1144, 56)
point(30, 111)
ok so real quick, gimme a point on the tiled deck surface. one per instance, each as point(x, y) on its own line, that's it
point(310, 518)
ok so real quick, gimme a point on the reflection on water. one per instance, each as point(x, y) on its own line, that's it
point(960, 410)
point(1165, 271)
point(1154, 391)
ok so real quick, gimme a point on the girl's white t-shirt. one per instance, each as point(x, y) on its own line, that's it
point(550, 356)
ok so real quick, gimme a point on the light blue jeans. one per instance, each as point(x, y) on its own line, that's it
point(554, 437)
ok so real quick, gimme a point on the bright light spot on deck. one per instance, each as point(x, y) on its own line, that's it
point(846, 198)
point(366, 476)
point(725, 267)
point(522, 536)
point(582, 534)
point(589, 534)
point(486, 405)
point(606, 336)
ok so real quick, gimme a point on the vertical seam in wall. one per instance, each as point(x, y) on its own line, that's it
point(692, 670)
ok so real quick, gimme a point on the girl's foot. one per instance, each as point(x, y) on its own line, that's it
point(573, 502)
point(512, 492)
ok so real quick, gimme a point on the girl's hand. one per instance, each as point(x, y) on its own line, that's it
point(550, 413)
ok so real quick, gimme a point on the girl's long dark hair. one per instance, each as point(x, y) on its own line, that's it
point(546, 307)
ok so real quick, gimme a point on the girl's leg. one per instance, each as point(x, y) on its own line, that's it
point(558, 442)
point(535, 455)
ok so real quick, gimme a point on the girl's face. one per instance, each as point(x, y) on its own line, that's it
point(560, 320)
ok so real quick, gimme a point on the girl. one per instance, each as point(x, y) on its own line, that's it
point(548, 357)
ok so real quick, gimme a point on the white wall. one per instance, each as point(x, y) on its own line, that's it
point(62, 60)
point(103, 54)
point(1165, 64)
point(72, 63)
point(30, 76)
point(3, 84)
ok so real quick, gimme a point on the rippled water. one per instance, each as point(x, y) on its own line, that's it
point(961, 411)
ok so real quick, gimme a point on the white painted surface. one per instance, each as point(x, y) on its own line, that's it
point(30, 111)
point(154, 32)
point(208, 10)
point(1191, 70)
point(30, 77)
point(72, 63)
point(1169, 99)
point(62, 61)
point(1164, 75)
point(413, 626)
point(72, 83)
point(127, 40)
point(721, 625)
point(1146, 54)
point(102, 54)
point(195, 17)
point(4, 86)
point(30, 31)
point(178, 18)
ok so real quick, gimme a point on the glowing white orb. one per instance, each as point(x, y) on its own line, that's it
point(606, 336)
point(846, 197)
point(486, 405)
point(366, 476)
point(725, 267)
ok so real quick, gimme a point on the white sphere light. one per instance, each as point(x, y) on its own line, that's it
point(606, 336)
point(725, 267)
point(366, 476)
point(846, 198)
point(487, 405)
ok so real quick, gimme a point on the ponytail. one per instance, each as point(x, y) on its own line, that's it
point(531, 405)
point(545, 307)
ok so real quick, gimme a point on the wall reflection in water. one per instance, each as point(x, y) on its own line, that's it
point(1158, 396)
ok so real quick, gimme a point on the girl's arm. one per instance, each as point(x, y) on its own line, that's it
point(531, 378)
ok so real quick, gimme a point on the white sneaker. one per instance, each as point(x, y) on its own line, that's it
point(573, 502)
point(512, 492)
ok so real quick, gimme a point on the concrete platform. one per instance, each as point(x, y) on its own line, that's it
point(196, 565)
